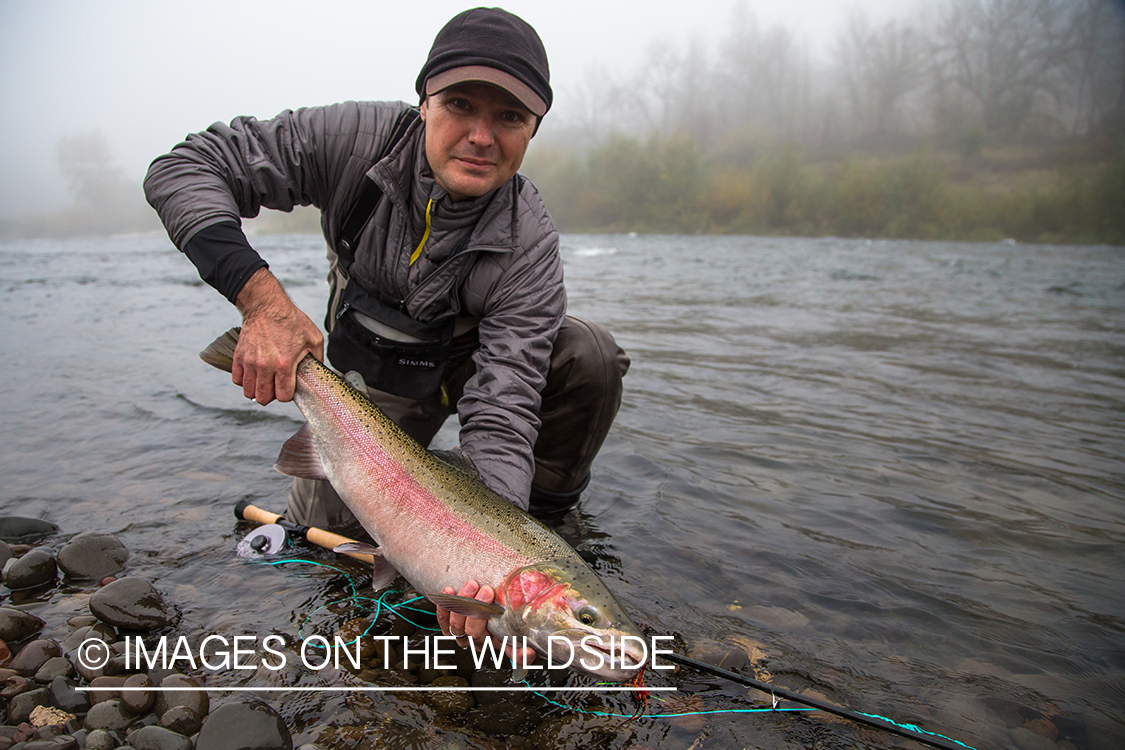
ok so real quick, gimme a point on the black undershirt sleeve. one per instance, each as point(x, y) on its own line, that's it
point(223, 257)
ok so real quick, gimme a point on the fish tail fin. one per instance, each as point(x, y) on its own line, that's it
point(220, 353)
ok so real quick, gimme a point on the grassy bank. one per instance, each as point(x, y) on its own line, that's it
point(1076, 195)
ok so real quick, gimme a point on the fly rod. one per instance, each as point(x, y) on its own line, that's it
point(911, 732)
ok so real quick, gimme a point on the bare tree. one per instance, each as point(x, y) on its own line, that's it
point(93, 179)
point(1007, 54)
point(879, 67)
point(1095, 73)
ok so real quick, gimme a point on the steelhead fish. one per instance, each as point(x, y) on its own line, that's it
point(438, 525)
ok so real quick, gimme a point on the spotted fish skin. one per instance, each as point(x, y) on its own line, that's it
point(438, 525)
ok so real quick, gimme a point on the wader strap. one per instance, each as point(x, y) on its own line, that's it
point(364, 206)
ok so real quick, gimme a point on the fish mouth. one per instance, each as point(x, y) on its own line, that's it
point(603, 655)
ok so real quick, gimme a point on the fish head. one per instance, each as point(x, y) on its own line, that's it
point(569, 615)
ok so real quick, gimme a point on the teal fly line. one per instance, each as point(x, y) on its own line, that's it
point(381, 604)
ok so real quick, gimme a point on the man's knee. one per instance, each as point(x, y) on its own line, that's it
point(587, 360)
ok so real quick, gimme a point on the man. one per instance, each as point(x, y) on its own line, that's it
point(446, 282)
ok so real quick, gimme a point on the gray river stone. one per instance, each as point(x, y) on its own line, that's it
point(34, 568)
point(92, 555)
point(99, 739)
point(31, 530)
point(158, 738)
point(21, 706)
point(130, 604)
point(250, 725)
point(34, 655)
point(56, 666)
point(15, 624)
point(196, 700)
point(109, 715)
point(182, 720)
point(137, 701)
point(65, 697)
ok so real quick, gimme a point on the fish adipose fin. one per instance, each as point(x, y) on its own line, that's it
point(220, 353)
point(463, 605)
point(383, 573)
point(299, 458)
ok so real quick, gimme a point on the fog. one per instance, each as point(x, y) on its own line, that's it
point(145, 74)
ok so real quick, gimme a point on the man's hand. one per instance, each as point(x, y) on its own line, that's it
point(275, 337)
point(462, 628)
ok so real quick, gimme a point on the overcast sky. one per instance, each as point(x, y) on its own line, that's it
point(146, 73)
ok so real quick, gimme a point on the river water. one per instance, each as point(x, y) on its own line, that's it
point(892, 471)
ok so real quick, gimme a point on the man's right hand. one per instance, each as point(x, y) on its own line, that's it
point(275, 337)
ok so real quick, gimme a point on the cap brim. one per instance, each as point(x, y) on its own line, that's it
point(485, 74)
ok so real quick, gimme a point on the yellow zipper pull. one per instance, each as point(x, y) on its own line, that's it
point(425, 235)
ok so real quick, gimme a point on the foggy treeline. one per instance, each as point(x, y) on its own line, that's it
point(967, 119)
point(105, 200)
point(973, 119)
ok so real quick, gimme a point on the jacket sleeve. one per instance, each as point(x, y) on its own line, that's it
point(499, 411)
point(232, 171)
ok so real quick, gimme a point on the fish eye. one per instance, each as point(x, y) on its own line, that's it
point(588, 615)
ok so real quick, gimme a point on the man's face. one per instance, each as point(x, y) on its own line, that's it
point(476, 136)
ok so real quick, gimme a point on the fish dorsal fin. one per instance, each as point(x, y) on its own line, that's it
point(299, 457)
point(458, 460)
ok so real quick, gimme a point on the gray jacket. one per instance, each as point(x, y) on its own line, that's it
point(507, 280)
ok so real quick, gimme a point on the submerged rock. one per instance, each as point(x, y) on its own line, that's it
point(34, 655)
point(130, 604)
point(109, 715)
point(251, 725)
point(92, 555)
point(17, 529)
point(158, 738)
point(35, 568)
point(196, 700)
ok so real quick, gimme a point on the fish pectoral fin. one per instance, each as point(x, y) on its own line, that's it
point(383, 573)
point(299, 457)
point(359, 548)
point(463, 605)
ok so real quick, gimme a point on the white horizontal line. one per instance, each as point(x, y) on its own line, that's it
point(399, 688)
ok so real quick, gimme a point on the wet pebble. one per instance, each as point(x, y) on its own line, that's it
point(62, 742)
point(14, 685)
point(18, 529)
point(21, 706)
point(16, 625)
point(494, 678)
point(158, 738)
point(34, 655)
point(452, 702)
point(102, 694)
point(92, 555)
point(182, 720)
point(109, 715)
point(56, 666)
point(5, 553)
point(1025, 739)
point(35, 568)
point(196, 700)
point(99, 739)
point(504, 718)
point(250, 725)
point(138, 701)
point(130, 604)
point(568, 730)
point(65, 697)
point(48, 716)
point(99, 630)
